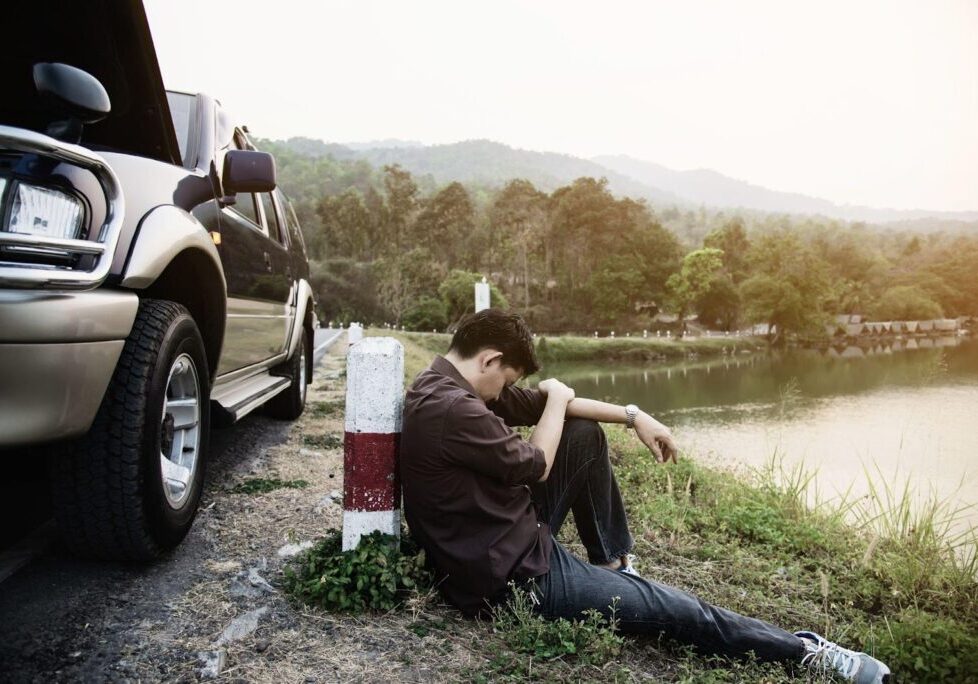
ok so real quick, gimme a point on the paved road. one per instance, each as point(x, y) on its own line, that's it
point(324, 339)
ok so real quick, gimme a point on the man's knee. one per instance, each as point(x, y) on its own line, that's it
point(582, 429)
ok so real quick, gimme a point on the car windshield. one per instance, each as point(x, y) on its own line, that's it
point(182, 107)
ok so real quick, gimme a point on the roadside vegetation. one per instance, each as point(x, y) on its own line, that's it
point(880, 574)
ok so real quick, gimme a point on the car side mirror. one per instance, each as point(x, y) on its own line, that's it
point(248, 171)
point(73, 93)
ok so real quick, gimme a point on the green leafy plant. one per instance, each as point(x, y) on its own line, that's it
point(379, 574)
point(263, 485)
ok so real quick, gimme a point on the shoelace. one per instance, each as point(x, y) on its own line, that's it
point(842, 660)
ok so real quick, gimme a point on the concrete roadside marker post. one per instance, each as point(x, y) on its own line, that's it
point(354, 333)
point(374, 401)
point(482, 296)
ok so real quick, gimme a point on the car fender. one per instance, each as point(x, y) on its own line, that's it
point(163, 233)
point(302, 307)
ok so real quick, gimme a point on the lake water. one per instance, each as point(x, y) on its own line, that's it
point(896, 414)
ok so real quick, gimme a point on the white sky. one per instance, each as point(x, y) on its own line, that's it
point(863, 102)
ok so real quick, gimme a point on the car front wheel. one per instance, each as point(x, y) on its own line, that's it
point(130, 488)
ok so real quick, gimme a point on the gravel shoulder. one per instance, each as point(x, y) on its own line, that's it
point(213, 609)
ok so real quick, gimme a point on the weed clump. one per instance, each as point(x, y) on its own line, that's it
point(380, 574)
point(322, 441)
point(263, 485)
point(588, 641)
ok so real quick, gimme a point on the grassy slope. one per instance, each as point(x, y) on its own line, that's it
point(889, 585)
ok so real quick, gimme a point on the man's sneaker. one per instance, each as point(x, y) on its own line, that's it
point(626, 566)
point(821, 655)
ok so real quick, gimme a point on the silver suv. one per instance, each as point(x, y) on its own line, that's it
point(152, 277)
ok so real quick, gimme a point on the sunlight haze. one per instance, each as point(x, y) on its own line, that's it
point(871, 103)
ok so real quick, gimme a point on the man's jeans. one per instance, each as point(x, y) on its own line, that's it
point(582, 480)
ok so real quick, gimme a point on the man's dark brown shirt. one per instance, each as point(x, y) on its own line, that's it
point(465, 476)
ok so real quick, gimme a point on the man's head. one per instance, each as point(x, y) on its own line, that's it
point(495, 348)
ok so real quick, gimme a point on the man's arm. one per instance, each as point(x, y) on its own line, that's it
point(546, 435)
point(653, 434)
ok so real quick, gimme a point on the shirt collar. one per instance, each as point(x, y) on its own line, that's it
point(445, 367)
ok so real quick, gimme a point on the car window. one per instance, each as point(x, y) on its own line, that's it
point(245, 205)
point(182, 109)
point(271, 218)
point(288, 213)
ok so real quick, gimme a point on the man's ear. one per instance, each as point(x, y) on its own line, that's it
point(487, 357)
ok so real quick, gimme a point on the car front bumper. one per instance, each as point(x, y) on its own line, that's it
point(58, 351)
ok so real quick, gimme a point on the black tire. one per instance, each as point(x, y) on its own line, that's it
point(289, 404)
point(110, 497)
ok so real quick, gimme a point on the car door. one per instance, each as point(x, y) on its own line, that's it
point(256, 268)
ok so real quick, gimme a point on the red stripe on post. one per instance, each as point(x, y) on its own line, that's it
point(371, 481)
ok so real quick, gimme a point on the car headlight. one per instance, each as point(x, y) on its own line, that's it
point(43, 212)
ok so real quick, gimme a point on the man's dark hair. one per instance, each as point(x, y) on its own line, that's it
point(496, 329)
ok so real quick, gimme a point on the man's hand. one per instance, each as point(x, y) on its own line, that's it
point(554, 389)
point(656, 437)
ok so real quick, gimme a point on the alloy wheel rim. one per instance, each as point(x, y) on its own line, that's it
point(180, 431)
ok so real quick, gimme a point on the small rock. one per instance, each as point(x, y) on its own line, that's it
point(262, 645)
point(213, 663)
point(336, 495)
point(242, 626)
point(292, 549)
point(75, 654)
point(309, 453)
point(259, 582)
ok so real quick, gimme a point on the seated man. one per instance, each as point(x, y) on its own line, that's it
point(485, 504)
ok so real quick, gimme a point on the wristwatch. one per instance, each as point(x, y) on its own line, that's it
point(631, 411)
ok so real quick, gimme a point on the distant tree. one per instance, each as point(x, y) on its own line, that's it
point(906, 303)
point(732, 240)
point(425, 313)
point(401, 207)
point(350, 230)
point(404, 278)
point(445, 222)
point(700, 268)
point(614, 287)
point(788, 286)
point(719, 306)
point(518, 219)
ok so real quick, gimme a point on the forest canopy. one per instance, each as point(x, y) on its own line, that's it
point(389, 247)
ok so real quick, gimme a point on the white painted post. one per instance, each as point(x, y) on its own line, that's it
point(374, 401)
point(482, 296)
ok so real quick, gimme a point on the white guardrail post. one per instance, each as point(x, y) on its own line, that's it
point(374, 401)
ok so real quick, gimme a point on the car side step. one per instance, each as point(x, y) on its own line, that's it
point(237, 400)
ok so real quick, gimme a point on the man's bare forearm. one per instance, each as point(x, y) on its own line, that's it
point(592, 409)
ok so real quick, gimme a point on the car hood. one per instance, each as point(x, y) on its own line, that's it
point(111, 40)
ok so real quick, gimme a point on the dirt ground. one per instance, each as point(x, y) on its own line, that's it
point(214, 609)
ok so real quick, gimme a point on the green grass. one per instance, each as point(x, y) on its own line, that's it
point(263, 485)
point(322, 409)
point(895, 582)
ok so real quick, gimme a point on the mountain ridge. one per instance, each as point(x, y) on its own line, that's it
point(493, 163)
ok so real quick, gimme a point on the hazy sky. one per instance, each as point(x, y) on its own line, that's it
point(858, 102)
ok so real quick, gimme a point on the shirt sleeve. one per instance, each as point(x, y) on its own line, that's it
point(476, 438)
point(519, 406)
